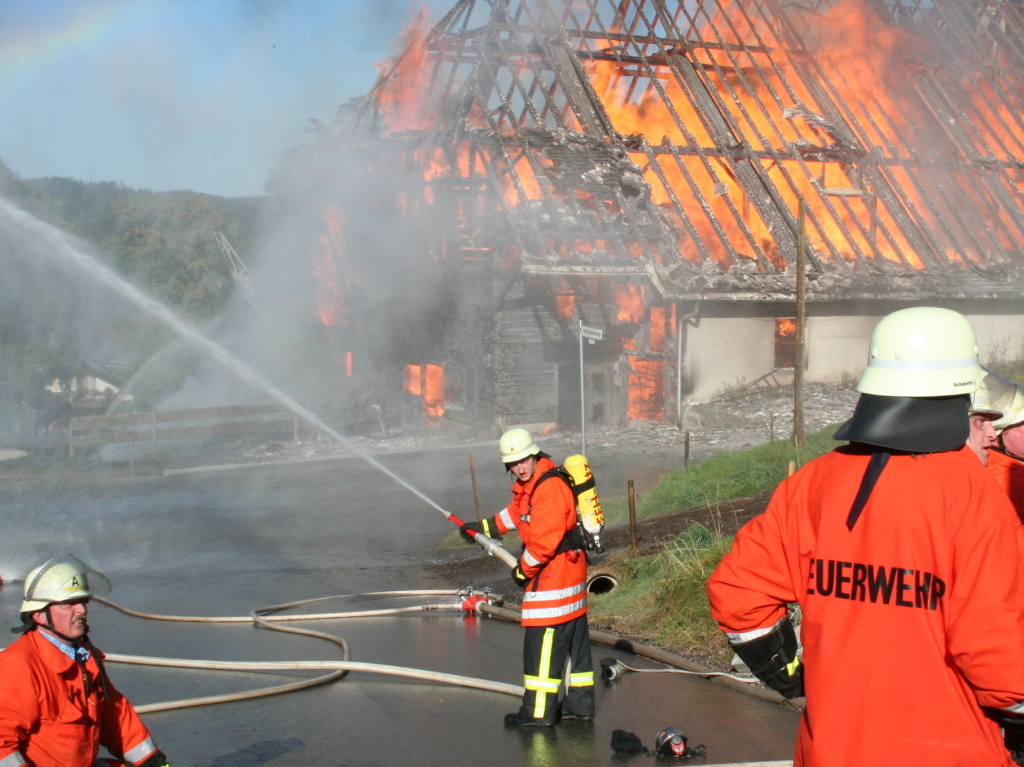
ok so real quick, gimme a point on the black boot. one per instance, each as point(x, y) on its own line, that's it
point(570, 714)
point(578, 703)
point(518, 717)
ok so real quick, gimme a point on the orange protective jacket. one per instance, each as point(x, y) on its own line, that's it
point(1009, 475)
point(46, 719)
point(557, 590)
point(912, 621)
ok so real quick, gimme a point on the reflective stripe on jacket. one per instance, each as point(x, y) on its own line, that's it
point(912, 621)
point(557, 590)
point(1009, 475)
point(45, 718)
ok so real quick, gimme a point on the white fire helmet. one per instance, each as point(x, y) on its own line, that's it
point(516, 444)
point(1006, 397)
point(922, 352)
point(62, 579)
point(994, 396)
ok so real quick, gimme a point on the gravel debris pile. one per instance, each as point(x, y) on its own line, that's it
point(732, 422)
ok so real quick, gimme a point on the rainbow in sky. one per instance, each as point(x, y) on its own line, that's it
point(82, 24)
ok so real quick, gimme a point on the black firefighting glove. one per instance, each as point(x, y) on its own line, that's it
point(156, 759)
point(1012, 725)
point(517, 575)
point(488, 527)
point(772, 659)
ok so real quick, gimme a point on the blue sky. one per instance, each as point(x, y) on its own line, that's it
point(180, 95)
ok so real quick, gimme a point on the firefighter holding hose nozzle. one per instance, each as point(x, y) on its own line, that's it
point(903, 555)
point(552, 571)
point(57, 705)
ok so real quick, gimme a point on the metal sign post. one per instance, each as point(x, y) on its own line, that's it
point(592, 334)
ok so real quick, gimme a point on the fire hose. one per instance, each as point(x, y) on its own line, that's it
point(473, 600)
point(339, 668)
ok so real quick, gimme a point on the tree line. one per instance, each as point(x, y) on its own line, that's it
point(162, 242)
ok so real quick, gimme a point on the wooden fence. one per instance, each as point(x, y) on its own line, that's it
point(173, 424)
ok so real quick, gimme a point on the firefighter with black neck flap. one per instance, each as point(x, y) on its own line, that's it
point(552, 572)
point(57, 705)
point(902, 554)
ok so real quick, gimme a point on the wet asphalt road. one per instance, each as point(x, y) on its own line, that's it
point(225, 543)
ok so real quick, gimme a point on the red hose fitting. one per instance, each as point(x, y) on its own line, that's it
point(470, 603)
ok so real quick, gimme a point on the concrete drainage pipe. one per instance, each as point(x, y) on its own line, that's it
point(602, 583)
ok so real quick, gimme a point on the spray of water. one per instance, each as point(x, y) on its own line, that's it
point(59, 245)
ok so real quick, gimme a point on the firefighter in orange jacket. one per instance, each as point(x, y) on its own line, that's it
point(57, 706)
point(903, 555)
point(1006, 457)
point(552, 571)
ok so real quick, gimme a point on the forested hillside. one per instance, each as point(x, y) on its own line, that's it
point(161, 241)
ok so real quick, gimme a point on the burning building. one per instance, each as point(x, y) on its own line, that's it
point(638, 165)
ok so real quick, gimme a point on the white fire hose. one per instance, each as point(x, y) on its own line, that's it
point(338, 668)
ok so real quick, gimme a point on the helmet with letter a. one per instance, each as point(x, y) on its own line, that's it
point(517, 444)
point(916, 390)
point(63, 578)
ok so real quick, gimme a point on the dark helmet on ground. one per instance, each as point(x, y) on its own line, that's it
point(670, 742)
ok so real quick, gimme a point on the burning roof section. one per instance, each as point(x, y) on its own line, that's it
point(673, 141)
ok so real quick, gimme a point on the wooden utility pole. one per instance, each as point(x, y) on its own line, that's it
point(476, 492)
point(798, 363)
point(632, 516)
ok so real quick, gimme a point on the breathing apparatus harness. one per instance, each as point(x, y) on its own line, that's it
point(586, 535)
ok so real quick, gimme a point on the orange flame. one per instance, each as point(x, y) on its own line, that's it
point(646, 389)
point(657, 336)
point(785, 342)
point(565, 306)
point(785, 328)
point(630, 300)
point(433, 390)
point(426, 381)
point(401, 101)
point(330, 298)
point(858, 52)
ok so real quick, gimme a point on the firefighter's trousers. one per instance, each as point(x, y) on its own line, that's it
point(545, 651)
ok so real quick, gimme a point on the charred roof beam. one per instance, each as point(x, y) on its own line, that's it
point(1007, 196)
point(838, 113)
point(776, 156)
point(655, 83)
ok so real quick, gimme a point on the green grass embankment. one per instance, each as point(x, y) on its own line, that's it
point(662, 596)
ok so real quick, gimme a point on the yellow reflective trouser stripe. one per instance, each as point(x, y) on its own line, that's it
point(792, 667)
point(538, 684)
point(544, 672)
point(582, 679)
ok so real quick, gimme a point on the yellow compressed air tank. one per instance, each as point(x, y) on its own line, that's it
point(587, 502)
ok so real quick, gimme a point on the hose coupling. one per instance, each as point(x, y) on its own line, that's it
point(611, 669)
point(471, 604)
